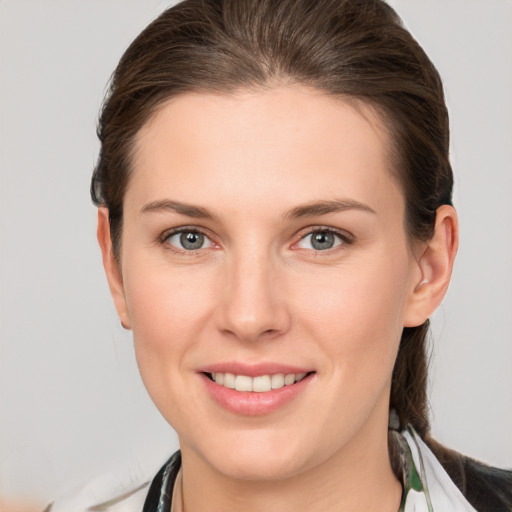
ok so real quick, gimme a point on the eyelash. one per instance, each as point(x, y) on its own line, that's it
point(164, 240)
point(344, 237)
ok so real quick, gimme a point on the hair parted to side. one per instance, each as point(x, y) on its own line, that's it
point(353, 49)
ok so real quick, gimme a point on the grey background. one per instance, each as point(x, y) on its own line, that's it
point(71, 403)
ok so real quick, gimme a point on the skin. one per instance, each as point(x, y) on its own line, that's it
point(7, 505)
point(258, 291)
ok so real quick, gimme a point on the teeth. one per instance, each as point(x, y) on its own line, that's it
point(229, 380)
point(259, 384)
point(243, 383)
point(277, 381)
point(289, 379)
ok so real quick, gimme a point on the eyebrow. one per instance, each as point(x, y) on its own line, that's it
point(325, 207)
point(167, 205)
point(307, 210)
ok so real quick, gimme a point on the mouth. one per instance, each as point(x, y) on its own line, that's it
point(259, 393)
point(256, 389)
point(257, 384)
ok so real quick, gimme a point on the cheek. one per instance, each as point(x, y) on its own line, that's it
point(166, 300)
point(356, 311)
point(167, 312)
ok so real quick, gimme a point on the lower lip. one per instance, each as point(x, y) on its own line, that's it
point(253, 403)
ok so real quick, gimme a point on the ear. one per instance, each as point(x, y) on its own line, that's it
point(112, 267)
point(435, 264)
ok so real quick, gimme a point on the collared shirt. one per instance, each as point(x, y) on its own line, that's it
point(426, 486)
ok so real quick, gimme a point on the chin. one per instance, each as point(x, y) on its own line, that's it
point(259, 457)
point(259, 468)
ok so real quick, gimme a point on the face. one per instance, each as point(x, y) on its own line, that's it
point(264, 248)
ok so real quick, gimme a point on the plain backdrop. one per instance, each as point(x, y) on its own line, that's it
point(71, 403)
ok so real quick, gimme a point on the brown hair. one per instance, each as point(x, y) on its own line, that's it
point(346, 48)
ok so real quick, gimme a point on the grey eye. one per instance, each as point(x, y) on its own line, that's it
point(320, 240)
point(189, 240)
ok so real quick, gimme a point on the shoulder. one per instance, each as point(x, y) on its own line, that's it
point(112, 494)
point(103, 495)
point(485, 488)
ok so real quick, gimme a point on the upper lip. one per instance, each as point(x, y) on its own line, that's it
point(253, 370)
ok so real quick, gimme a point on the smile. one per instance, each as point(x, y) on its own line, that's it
point(257, 384)
point(255, 390)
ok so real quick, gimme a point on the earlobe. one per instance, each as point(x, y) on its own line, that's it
point(112, 268)
point(435, 264)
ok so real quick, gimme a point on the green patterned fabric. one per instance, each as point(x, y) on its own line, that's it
point(414, 490)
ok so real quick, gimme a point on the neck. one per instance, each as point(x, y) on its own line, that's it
point(358, 477)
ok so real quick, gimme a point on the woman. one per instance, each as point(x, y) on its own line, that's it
point(276, 226)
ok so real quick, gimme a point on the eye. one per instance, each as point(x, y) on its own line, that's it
point(188, 240)
point(322, 240)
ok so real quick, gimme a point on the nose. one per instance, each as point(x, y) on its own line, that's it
point(254, 304)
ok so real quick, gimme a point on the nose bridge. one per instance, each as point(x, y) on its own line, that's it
point(253, 304)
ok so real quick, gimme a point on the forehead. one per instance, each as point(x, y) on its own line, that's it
point(287, 142)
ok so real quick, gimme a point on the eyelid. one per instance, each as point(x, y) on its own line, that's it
point(162, 239)
point(346, 237)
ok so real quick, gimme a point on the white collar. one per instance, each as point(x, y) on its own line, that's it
point(440, 493)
